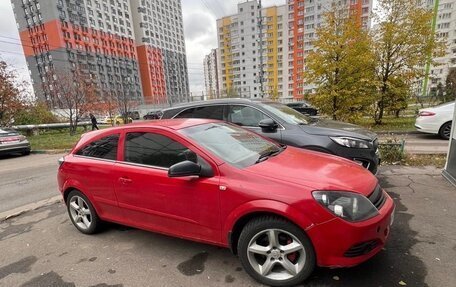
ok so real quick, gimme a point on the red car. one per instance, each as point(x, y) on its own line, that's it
point(281, 209)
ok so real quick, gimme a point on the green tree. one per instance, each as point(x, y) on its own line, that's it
point(341, 66)
point(403, 41)
point(398, 96)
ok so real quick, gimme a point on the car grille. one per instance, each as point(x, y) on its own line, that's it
point(361, 248)
point(377, 197)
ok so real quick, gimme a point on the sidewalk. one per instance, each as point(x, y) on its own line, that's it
point(42, 248)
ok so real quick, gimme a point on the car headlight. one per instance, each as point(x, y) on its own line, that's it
point(347, 205)
point(351, 142)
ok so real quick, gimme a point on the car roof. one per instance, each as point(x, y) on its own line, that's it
point(219, 101)
point(168, 124)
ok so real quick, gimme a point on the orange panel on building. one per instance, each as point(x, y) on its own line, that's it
point(152, 74)
point(298, 49)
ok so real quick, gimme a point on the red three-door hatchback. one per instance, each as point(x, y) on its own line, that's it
point(282, 210)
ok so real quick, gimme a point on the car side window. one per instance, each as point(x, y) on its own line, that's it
point(245, 116)
point(104, 148)
point(155, 150)
point(207, 112)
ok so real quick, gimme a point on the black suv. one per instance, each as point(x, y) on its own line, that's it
point(287, 126)
point(304, 108)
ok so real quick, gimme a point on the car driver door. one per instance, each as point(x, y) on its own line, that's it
point(180, 206)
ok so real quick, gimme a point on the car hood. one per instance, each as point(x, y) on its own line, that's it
point(315, 170)
point(336, 128)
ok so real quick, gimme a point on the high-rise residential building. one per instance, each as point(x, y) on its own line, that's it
point(304, 18)
point(125, 46)
point(287, 34)
point(211, 75)
point(444, 23)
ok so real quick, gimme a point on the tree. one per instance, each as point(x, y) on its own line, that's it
point(125, 103)
point(398, 97)
point(341, 66)
point(450, 86)
point(73, 91)
point(109, 104)
point(12, 96)
point(403, 41)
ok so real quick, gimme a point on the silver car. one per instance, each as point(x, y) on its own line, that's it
point(12, 142)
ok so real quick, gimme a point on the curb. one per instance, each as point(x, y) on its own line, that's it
point(4, 216)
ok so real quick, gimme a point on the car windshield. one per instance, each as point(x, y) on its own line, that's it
point(288, 114)
point(232, 144)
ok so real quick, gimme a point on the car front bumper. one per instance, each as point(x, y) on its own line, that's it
point(368, 158)
point(339, 243)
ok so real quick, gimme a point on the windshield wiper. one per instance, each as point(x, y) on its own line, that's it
point(264, 156)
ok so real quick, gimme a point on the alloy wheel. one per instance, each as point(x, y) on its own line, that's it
point(276, 254)
point(447, 131)
point(80, 212)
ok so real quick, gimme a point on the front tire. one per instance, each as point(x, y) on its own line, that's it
point(276, 252)
point(445, 131)
point(82, 213)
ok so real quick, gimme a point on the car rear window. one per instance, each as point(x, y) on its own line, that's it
point(104, 148)
point(206, 112)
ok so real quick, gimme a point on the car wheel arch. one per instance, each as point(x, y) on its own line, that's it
point(247, 212)
point(445, 123)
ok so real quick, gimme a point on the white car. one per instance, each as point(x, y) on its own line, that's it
point(436, 120)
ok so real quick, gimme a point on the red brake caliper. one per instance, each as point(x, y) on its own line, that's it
point(291, 256)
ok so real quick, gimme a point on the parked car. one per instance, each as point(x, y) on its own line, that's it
point(133, 115)
point(153, 115)
point(118, 120)
point(281, 209)
point(436, 120)
point(13, 142)
point(304, 108)
point(287, 126)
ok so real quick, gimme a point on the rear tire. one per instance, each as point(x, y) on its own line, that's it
point(275, 252)
point(26, 152)
point(82, 213)
point(445, 131)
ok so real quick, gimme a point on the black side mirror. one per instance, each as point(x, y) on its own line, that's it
point(268, 125)
point(184, 168)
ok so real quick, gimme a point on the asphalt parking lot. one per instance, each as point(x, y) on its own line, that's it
point(42, 248)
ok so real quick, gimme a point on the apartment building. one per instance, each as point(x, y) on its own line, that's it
point(211, 75)
point(286, 39)
point(135, 48)
point(445, 26)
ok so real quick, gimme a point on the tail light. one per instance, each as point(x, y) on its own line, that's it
point(426, 114)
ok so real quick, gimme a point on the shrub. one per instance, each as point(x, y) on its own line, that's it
point(35, 114)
